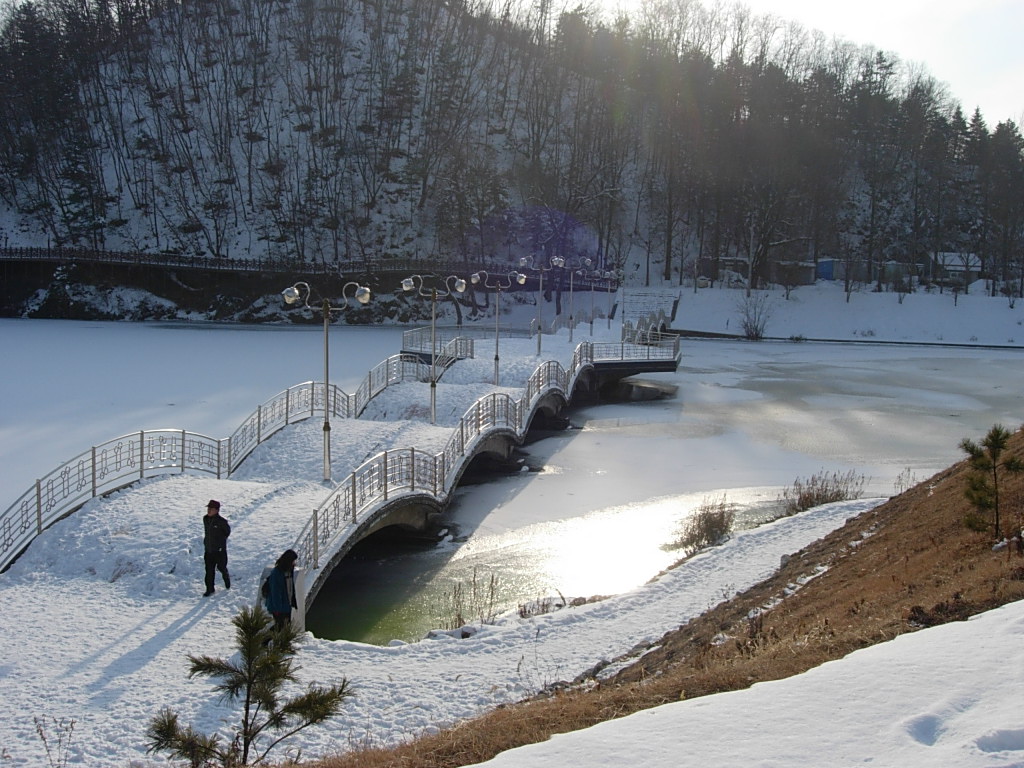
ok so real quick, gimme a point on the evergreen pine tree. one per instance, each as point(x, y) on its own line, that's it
point(257, 678)
point(986, 459)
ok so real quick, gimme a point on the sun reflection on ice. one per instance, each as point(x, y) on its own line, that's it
point(605, 552)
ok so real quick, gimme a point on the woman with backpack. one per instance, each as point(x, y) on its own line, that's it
point(279, 589)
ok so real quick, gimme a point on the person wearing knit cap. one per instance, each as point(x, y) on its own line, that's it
point(215, 546)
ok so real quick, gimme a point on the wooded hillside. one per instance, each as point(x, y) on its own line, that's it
point(682, 139)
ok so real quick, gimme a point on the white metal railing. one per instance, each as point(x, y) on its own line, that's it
point(453, 344)
point(395, 369)
point(296, 403)
point(393, 473)
point(102, 469)
point(400, 472)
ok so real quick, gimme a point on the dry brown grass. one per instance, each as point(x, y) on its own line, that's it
point(908, 563)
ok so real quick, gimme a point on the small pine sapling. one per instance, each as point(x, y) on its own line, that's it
point(257, 678)
point(987, 463)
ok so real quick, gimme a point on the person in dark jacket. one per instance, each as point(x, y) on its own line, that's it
point(281, 593)
point(215, 546)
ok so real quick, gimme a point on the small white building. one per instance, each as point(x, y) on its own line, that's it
point(955, 267)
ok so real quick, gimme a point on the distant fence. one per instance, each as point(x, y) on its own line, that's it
point(238, 264)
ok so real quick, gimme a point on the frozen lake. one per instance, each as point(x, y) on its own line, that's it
point(746, 422)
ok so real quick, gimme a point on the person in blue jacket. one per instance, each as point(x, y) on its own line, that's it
point(281, 589)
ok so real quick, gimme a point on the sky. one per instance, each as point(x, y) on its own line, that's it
point(106, 603)
point(972, 47)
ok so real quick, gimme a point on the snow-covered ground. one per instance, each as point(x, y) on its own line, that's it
point(101, 611)
point(822, 312)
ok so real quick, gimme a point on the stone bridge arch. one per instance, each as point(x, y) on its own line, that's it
point(414, 511)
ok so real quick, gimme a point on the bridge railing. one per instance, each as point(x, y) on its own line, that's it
point(102, 469)
point(395, 369)
point(451, 344)
point(397, 472)
point(665, 349)
point(296, 403)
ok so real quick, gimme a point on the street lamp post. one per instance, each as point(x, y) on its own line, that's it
point(527, 262)
point(481, 277)
point(415, 283)
point(580, 264)
point(607, 291)
point(301, 292)
point(608, 276)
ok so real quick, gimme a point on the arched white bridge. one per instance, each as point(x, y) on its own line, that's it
point(407, 487)
point(403, 486)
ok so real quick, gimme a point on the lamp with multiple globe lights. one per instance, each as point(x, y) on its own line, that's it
point(572, 265)
point(451, 284)
point(528, 262)
point(300, 292)
point(497, 284)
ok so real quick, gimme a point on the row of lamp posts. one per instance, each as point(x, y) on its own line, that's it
point(301, 292)
point(580, 267)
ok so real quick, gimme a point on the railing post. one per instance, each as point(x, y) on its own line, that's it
point(287, 406)
point(353, 494)
point(39, 507)
point(412, 468)
point(183, 451)
point(316, 539)
point(142, 454)
point(462, 436)
point(219, 459)
point(92, 452)
point(259, 424)
point(385, 475)
point(312, 398)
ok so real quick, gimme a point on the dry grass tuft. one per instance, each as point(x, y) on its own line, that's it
point(710, 525)
point(822, 488)
point(907, 564)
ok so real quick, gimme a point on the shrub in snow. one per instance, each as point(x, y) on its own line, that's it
point(256, 675)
